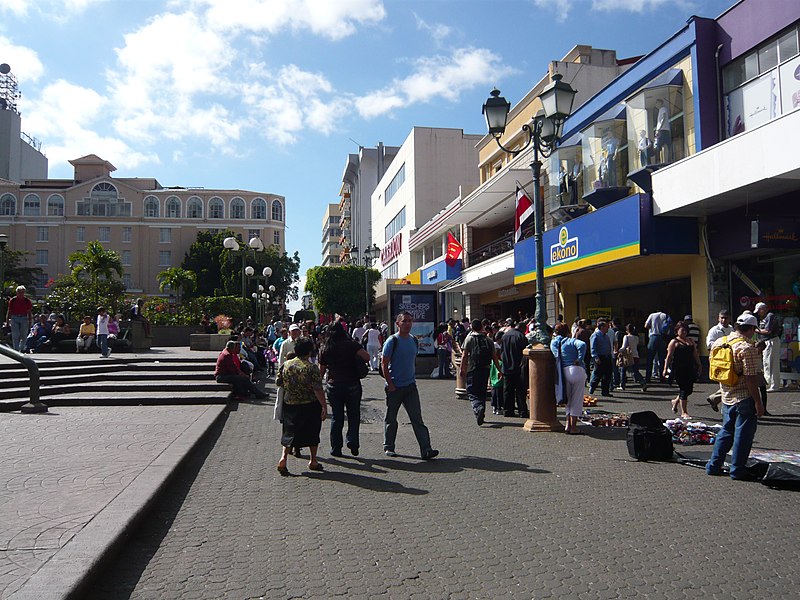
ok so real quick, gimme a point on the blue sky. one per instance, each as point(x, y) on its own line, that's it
point(268, 95)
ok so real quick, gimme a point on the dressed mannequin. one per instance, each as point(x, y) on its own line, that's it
point(574, 181)
point(663, 135)
point(610, 145)
point(645, 147)
point(563, 185)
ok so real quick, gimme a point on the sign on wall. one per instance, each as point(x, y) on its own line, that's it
point(422, 306)
point(392, 249)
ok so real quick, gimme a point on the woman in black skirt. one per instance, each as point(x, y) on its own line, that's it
point(304, 407)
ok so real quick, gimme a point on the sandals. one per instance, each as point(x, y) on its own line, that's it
point(315, 467)
point(676, 406)
point(284, 471)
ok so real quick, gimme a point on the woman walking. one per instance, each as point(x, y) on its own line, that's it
point(571, 352)
point(684, 360)
point(338, 359)
point(304, 407)
point(374, 345)
point(444, 348)
point(630, 346)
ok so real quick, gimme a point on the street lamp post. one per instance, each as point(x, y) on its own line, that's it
point(370, 255)
point(543, 132)
point(256, 245)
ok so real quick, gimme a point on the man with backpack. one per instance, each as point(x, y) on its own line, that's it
point(476, 361)
point(399, 370)
point(741, 399)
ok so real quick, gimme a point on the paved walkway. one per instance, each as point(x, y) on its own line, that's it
point(502, 513)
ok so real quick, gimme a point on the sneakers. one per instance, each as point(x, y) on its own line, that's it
point(430, 454)
point(336, 452)
point(390, 453)
point(480, 418)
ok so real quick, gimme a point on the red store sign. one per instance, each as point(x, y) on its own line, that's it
point(392, 249)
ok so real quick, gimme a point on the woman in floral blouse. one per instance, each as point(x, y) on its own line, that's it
point(304, 407)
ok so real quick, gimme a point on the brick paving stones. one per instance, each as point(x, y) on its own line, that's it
point(502, 513)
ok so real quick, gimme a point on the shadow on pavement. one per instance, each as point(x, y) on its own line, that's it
point(456, 465)
point(368, 483)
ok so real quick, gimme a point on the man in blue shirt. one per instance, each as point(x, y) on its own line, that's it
point(399, 370)
point(601, 348)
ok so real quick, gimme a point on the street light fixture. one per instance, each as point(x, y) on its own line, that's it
point(256, 245)
point(370, 254)
point(543, 132)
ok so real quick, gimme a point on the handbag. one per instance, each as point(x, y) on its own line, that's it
point(362, 368)
point(625, 358)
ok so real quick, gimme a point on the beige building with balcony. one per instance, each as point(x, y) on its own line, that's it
point(331, 234)
point(150, 226)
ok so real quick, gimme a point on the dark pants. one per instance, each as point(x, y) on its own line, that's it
point(344, 397)
point(241, 385)
point(407, 396)
point(601, 375)
point(444, 363)
point(656, 349)
point(514, 389)
point(477, 381)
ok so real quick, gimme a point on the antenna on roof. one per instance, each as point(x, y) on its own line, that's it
point(9, 94)
point(356, 143)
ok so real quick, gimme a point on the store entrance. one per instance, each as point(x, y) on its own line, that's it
point(633, 304)
point(516, 309)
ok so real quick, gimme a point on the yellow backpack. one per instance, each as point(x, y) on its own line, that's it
point(720, 363)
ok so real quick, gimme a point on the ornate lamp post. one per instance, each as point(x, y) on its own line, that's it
point(256, 245)
point(543, 132)
point(370, 254)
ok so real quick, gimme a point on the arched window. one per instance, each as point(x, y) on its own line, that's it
point(8, 205)
point(31, 206)
point(216, 208)
point(258, 210)
point(173, 207)
point(277, 210)
point(55, 206)
point(194, 208)
point(237, 208)
point(151, 206)
point(104, 201)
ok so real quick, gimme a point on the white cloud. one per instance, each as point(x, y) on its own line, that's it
point(441, 76)
point(58, 10)
point(24, 62)
point(17, 7)
point(438, 31)
point(562, 8)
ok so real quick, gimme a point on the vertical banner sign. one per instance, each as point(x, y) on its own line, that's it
point(422, 306)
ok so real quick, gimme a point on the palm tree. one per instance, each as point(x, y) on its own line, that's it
point(95, 262)
point(177, 279)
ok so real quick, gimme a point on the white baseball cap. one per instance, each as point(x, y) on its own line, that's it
point(760, 305)
point(294, 327)
point(747, 319)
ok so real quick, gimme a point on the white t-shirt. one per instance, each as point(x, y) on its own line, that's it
point(358, 333)
point(632, 342)
point(102, 324)
point(373, 337)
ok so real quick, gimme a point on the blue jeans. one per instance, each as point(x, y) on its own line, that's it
point(444, 363)
point(602, 374)
point(477, 381)
point(656, 349)
point(19, 331)
point(407, 396)
point(102, 342)
point(739, 424)
point(343, 397)
point(634, 370)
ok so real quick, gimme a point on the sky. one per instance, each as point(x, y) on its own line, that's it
point(272, 95)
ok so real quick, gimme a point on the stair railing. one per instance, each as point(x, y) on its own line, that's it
point(35, 405)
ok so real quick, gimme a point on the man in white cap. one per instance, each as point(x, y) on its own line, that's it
point(741, 402)
point(769, 330)
point(288, 345)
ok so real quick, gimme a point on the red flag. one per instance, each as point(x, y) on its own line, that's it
point(524, 211)
point(454, 250)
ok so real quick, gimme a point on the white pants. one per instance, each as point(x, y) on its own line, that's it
point(772, 363)
point(374, 356)
point(575, 380)
point(84, 344)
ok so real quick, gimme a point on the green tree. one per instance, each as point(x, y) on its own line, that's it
point(204, 259)
point(96, 263)
point(75, 298)
point(340, 289)
point(177, 279)
point(16, 273)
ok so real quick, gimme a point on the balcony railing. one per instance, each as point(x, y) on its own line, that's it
point(492, 249)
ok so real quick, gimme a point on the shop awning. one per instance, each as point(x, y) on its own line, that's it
point(484, 277)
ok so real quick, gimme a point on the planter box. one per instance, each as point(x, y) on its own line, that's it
point(208, 341)
point(168, 335)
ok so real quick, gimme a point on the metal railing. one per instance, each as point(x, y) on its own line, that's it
point(34, 405)
point(492, 249)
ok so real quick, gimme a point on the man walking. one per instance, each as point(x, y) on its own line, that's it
point(657, 325)
point(723, 328)
point(769, 330)
point(741, 403)
point(399, 370)
point(513, 343)
point(476, 361)
point(601, 348)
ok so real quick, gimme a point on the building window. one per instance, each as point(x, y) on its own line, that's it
point(165, 258)
point(237, 208)
point(127, 234)
point(55, 206)
point(391, 272)
point(42, 234)
point(214, 230)
point(165, 235)
point(395, 183)
point(173, 208)
point(258, 209)
point(41, 257)
point(104, 234)
point(194, 208)
point(80, 234)
point(126, 258)
point(276, 238)
point(104, 201)
point(277, 210)
point(395, 225)
point(126, 280)
point(31, 206)
point(216, 208)
point(151, 206)
point(251, 233)
point(8, 205)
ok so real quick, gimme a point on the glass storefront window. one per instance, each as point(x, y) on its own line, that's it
point(566, 176)
point(605, 152)
point(655, 126)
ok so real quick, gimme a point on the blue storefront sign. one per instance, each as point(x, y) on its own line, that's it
point(620, 230)
point(440, 272)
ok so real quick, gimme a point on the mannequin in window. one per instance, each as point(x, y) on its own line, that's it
point(574, 181)
point(610, 146)
point(645, 148)
point(662, 134)
point(563, 185)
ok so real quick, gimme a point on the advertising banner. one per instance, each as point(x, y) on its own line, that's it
point(422, 306)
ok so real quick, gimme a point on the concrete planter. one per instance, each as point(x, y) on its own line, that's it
point(208, 341)
point(168, 335)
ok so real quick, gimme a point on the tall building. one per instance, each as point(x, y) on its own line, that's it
point(331, 234)
point(149, 225)
point(20, 155)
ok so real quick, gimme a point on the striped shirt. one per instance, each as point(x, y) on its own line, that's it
point(746, 361)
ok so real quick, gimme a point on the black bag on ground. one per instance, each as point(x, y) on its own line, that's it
point(782, 475)
point(648, 438)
